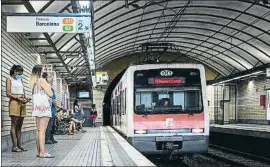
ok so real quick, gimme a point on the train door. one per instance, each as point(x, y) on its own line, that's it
point(121, 108)
point(113, 113)
point(125, 111)
point(226, 111)
point(123, 117)
point(226, 103)
point(225, 97)
point(118, 110)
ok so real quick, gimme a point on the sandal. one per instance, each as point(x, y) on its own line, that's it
point(38, 155)
point(23, 149)
point(47, 155)
point(16, 149)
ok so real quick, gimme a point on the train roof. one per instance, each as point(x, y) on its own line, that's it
point(161, 62)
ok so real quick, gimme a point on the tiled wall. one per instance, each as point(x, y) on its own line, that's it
point(16, 49)
point(249, 99)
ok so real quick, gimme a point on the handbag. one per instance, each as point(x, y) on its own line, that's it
point(41, 105)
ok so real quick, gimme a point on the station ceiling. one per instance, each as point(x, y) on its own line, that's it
point(227, 36)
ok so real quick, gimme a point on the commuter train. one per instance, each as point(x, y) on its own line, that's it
point(162, 109)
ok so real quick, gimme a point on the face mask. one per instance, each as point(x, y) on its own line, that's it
point(18, 76)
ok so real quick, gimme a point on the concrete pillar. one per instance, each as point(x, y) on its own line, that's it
point(98, 96)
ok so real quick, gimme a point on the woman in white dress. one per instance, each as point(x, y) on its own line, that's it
point(40, 85)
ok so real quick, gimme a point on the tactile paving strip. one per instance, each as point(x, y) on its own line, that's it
point(119, 155)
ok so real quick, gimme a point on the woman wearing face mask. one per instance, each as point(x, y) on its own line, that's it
point(17, 108)
point(39, 85)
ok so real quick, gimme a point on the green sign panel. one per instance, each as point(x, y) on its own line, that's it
point(68, 28)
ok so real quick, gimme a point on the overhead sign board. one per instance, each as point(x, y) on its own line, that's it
point(268, 72)
point(102, 78)
point(43, 23)
point(48, 67)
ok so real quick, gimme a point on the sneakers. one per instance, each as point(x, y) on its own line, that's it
point(54, 141)
point(16, 149)
point(23, 149)
point(49, 142)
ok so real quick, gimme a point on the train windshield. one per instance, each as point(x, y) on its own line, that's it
point(170, 91)
point(168, 100)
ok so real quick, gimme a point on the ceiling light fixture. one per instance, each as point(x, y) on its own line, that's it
point(258, 72)
point(81, 77)
point(135, 5)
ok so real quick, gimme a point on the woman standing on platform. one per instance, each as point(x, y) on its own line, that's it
point(41, 90)
point(17, 107)
point(78, 113)
point(94, 115)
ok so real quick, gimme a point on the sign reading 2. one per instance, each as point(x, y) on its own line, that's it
point(80, 26)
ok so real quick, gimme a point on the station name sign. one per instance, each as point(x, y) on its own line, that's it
point(50, 23)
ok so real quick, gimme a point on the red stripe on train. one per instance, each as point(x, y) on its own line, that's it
point(164, 121)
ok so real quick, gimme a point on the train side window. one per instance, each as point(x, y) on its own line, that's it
point(125, 101)
point(122, 103)
point(117, 105)
point(113, 107)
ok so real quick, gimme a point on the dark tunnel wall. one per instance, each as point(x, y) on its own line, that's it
point(107, 98)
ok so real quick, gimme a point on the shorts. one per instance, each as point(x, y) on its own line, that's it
point(17, 108)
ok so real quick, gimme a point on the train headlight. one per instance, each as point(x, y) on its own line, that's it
point(197, 130)
point(140, 131)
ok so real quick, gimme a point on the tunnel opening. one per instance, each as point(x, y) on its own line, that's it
point(107, 98)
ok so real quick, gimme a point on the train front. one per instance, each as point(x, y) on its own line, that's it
point(170, 112)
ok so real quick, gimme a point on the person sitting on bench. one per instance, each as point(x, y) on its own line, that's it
point(78, 114)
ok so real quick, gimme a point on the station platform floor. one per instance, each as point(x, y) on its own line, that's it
point(253, 130)
point(100, 146)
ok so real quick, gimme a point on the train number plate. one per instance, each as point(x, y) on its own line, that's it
point(173, 138)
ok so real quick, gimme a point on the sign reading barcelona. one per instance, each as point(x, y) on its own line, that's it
point(51, 23)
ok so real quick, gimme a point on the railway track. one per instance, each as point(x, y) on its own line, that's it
point(235, 158)
point(164, 161)
point(246, 155)
point(225, 160)
point(216, 156)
